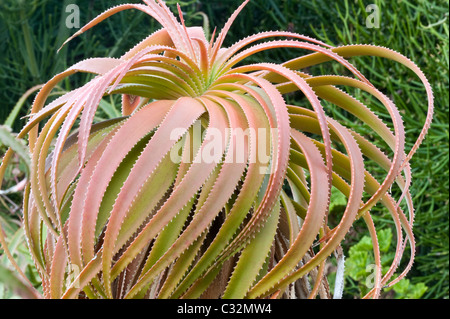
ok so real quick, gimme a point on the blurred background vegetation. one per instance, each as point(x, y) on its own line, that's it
point(31, 31)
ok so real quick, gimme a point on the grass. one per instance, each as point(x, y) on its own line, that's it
point(31, 31)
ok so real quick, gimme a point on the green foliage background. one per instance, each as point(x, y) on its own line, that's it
point(32, 30)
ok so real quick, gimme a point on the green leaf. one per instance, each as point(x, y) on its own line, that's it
point(364, 245)
point(17, 145)
point(109, 108)
point(255, 253)
point(417, 291)
point(402, 286)
point(10, 280)
point(338, 200)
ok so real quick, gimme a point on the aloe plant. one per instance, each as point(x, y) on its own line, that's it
point(210, 185)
